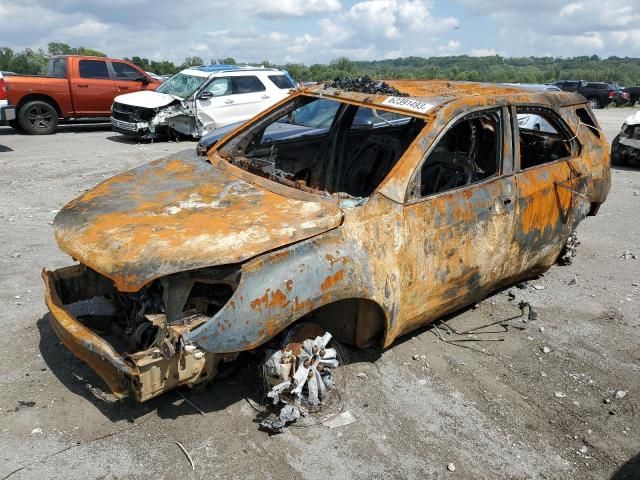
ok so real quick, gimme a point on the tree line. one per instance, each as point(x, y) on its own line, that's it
point(624, 70)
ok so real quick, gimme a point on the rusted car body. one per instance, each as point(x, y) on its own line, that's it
point(368, 230)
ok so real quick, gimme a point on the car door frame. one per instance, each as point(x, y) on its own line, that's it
point(86, 100)
point(429, 292)
point(540, 189)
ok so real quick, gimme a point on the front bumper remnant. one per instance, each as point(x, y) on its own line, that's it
point(83, 343)
point(142, 374)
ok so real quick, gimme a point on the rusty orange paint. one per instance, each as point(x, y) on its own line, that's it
point(332, 280)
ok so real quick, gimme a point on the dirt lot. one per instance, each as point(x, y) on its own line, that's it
point(497, 409)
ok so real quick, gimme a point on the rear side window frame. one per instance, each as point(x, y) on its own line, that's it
point(106, 67)
point(235, 78)
point(561, 124)
point(279, 76)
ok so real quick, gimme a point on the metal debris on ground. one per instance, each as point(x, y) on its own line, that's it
point(569, 250)
point(184, 450)
point(365, 85)
point(505, 324)
point(299, 374)
point(288, 414)
point(341, 420)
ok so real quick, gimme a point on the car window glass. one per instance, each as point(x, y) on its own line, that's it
point(93, 69)
point(247, 84)
point(282, 81)
point(316, 114)
point(219, 87)
point(469, 152)
point(126, 72)
point(372, 118)
point(314, 118)
point(541, 137)
point(57, 67)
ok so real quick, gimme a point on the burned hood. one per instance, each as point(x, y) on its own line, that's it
point(181, 213)
point(146, 99)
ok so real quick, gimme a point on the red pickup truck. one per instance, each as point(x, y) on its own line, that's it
point(74, 87)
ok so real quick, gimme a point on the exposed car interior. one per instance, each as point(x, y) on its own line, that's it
point(468, 152)
point(542, 138)
point(325, 145)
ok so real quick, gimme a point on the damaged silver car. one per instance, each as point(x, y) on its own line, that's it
point(625, 148)
point(199, 99)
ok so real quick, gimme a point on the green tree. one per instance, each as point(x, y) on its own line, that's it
point(191, 62)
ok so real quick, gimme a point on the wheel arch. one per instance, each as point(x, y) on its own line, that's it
point(39, 96)
point(317, 277)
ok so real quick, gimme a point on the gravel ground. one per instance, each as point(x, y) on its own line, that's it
point(501, 409)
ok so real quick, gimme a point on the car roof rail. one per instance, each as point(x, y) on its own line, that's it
point(220, 68)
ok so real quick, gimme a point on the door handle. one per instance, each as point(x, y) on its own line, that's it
point(83, 85)
point(264, 97)
point(123, 88)
point(228, 101)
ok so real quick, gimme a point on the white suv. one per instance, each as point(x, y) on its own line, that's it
point(199, 99)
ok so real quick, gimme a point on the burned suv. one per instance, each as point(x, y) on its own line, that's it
point(376, 214)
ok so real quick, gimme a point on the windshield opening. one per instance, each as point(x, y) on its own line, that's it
point(324, 146)
point(181, 85)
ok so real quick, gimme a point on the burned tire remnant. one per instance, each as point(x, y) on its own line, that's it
point(299, 374)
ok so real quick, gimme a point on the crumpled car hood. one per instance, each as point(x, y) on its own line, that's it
point(633, 119)
point(181, 213)
point(146, 99)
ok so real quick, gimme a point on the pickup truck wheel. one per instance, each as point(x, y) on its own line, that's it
point(594, 103)
point(38, 118)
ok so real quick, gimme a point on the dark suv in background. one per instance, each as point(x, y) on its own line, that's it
point(634, 94)
point(599, 94)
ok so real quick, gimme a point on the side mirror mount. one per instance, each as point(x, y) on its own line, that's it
point(206, 95)
point(144, 79)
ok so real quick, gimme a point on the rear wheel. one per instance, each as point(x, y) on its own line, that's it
point(38, 118)
point(594, 102)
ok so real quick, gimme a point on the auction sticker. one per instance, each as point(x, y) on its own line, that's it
point(407, 103)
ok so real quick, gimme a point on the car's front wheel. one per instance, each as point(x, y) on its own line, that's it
point(38, 118)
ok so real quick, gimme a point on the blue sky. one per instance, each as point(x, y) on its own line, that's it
point(312, 31)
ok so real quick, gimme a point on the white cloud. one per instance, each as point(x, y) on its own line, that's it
point(312, 31)
point(87, 28)
point(571, 9)
point(292, 8)
point(199, 48)
point(483, 52)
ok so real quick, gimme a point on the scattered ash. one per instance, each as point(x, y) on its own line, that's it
point(364, 85)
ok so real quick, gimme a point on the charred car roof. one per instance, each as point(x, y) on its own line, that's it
point(425, 96)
